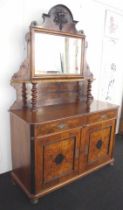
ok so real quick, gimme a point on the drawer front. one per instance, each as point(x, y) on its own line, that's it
point(106, 115)
point(58, 126)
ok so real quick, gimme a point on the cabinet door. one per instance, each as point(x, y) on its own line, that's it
point(96, 144)
point(56, 158)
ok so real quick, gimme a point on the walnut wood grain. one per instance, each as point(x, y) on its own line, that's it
point(90, 154)
point(66, 182)
point(43, 174)
point(52, 93)
point(49, 173)
point(21, 150)
point(52, 113)
point(59, 133)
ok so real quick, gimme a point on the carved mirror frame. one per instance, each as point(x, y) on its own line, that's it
point(58, 22)
point(61, 34)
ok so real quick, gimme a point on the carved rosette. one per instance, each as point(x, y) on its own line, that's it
point(60, 18)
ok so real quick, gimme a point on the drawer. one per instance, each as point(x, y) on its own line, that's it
point(101, 116)
point(60, 125)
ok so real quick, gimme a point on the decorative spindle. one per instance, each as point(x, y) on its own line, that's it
point(34, 95)
point(89, 96)
point(24, 95)
point(78, 92)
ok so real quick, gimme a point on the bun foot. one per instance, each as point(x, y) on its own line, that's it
point(13, 182)
point(112, 163)
point(34, 201)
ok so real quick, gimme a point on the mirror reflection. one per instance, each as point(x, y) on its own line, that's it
point(56, 54)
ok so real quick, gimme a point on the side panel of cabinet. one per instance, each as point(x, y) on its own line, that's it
point(20, 145)
point(56, 158)
point(96, 144)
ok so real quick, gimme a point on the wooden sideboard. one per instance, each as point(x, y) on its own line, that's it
point(59, 133)
point(59, 144)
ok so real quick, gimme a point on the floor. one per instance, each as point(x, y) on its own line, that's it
point(101, 190)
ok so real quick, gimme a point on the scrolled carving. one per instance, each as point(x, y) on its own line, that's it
point(23, 73)
point(59, 20)
point(86, 72)
point(27, 37)
point(81, 31)
point(60, 17)
point(34, 23)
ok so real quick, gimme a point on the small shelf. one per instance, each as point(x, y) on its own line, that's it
point(51, 80)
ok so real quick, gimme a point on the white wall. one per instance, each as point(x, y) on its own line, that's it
point(15, 17)
point(11, 54)
point(108, 92)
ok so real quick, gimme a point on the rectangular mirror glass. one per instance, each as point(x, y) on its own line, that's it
point(56, 55)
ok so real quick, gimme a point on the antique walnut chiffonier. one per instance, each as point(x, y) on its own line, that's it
point(59, 132)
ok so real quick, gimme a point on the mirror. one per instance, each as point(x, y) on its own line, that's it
point(56, 54)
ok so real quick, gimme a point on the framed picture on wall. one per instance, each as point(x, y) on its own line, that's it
point(110, 68)
point(113, 24)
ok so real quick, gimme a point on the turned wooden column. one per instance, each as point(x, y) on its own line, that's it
point(78, 92)
point(34, 96)
point(24, 95)
point(89, 96)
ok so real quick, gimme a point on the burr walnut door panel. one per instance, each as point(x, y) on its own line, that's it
point(57, 158)
point(96, 144)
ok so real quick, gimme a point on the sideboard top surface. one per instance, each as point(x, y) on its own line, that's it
point(62, 111)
